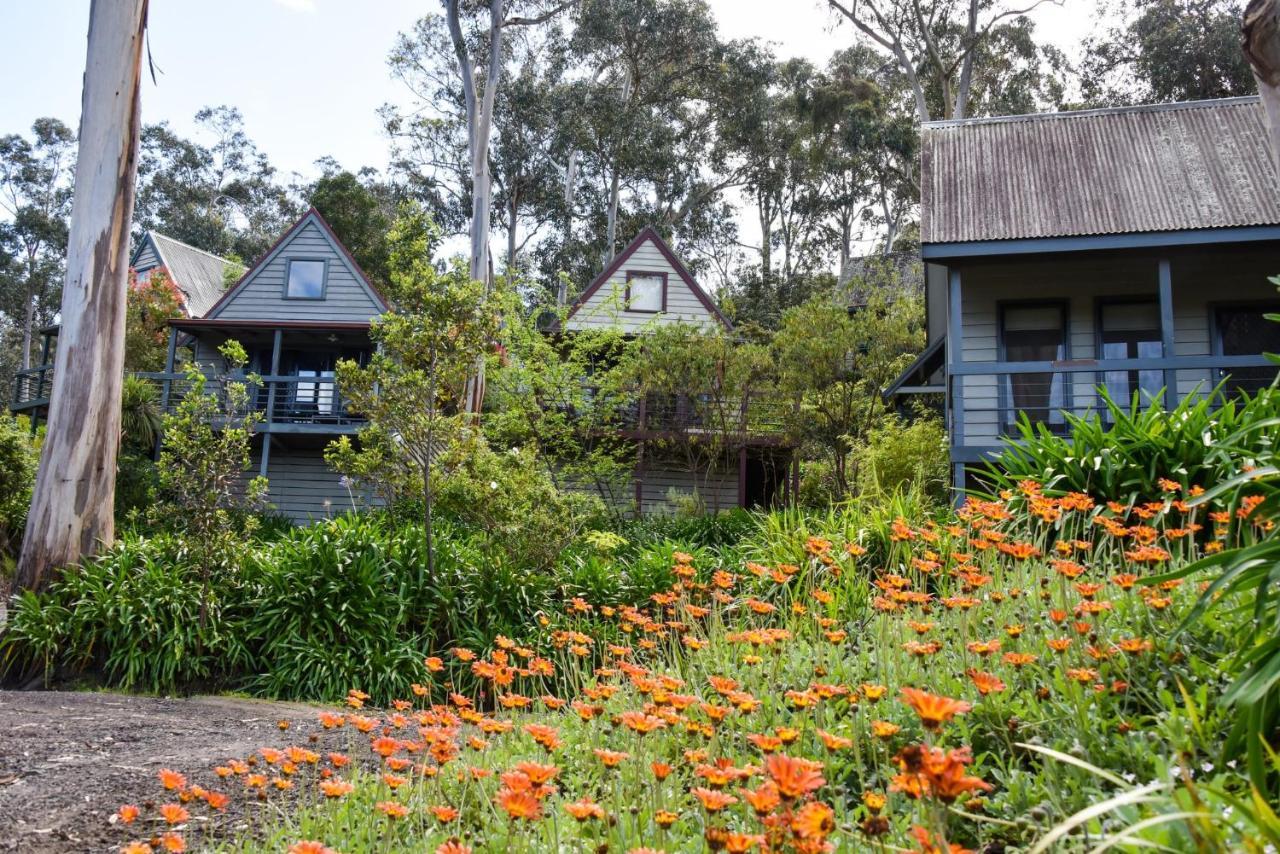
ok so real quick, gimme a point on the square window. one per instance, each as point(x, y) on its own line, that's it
point(306, 279)
point(645, 292)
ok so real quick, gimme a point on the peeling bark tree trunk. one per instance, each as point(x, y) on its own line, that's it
point(72, 507)
point(1261, 43)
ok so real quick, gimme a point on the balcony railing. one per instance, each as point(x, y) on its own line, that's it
point(666, 415)
point(32, 387)
point(989, 398)
point(287, 403)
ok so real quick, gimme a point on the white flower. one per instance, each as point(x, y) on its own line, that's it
point(493, 484)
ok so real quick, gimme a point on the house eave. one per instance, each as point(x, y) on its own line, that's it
point(943, 252)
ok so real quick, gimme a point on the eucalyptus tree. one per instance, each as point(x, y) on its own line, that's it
point(35, 196)
point(942, 47)
point(1166, 50)
point(72, 504)
point(652, 73)
point(218, 193)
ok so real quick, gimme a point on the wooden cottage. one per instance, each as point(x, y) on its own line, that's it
point(647, 284)
point(1122, 249)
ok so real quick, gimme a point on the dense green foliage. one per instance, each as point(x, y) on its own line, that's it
point(302, 613)
point(19, 455)
point(1125, 450)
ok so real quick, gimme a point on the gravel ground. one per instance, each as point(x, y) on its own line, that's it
point(68, 760)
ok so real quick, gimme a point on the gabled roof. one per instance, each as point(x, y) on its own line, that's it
point(649, 234)
point(199, 275)
point(312, 216)
point(1163, 167)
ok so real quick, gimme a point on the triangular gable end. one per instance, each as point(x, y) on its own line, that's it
point(647, 242)
point(260, 292)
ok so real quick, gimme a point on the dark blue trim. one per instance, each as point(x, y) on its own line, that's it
point(1137, 240)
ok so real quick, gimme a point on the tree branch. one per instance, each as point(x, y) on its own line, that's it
point(517, 21)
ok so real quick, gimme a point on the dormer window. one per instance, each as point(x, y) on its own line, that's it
point(305, 279)
point(646, 292)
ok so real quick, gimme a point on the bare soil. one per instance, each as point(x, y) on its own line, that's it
point(68, 760)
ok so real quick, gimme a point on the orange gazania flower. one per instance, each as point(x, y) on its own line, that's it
point(444, 813)
point(665, 818)
point(172, 780)
point(546, 736)
point(173, 843)
point(764, 799)
point(392, 810)
point(814, 820)
point(537, 774)
point(136, 848)
point(986, 683)
point(712, 800)
point(584, 809)
point(336, 788)
point(519, 804)
point(127, 813)
point(933, 710)
point(661, 770)
point(928, 846)
point(174, 813)
point(307, 846)
point(453, 845)
point(932, 771)
point(611, 758)
point(834, 742)
point(740, 843)
point(795, 778)
point(884, 729)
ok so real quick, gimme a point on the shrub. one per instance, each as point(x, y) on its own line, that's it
point(19, 455)
point(898, 455)
point(509, 500)
point(1202, 441)
point(133, 613)
point(337, 605)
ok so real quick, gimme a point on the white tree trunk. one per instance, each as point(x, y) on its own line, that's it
point(72, 508)
point(1261, 43)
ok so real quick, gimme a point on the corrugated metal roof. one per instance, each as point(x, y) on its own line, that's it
point(1165, 167)
point(198, 274)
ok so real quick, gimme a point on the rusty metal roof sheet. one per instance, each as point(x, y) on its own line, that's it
point(1165, 167)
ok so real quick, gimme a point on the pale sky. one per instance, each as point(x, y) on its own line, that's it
point(308, 75)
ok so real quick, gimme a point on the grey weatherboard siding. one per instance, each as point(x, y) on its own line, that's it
point(260, 295)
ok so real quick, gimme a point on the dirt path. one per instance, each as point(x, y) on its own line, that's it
point(68, 760)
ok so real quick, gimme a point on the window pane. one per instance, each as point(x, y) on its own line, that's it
point(646, 293)
point(1034, 334)
point(1131, 330)
point(306, 279)
point(1245, 331)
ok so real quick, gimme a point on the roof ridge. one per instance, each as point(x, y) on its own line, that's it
point(1167, 106)
point(185, 245)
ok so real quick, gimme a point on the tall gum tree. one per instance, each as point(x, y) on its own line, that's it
point(936, 43)
point(72, 504)
point(479, 101)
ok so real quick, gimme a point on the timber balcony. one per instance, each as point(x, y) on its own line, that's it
point(289, 404)
point(755, 420)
